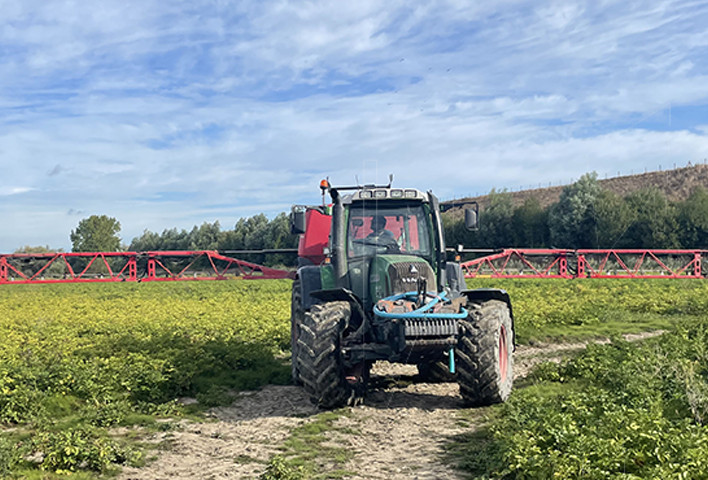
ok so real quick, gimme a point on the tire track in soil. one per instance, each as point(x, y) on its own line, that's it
point(398, 434)
point(402, 429)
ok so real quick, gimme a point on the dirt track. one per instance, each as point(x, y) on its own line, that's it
point(398, 434)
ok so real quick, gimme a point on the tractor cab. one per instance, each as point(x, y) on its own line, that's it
point(375, 242)
point(391, 236)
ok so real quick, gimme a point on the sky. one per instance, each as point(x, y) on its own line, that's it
point(171, 114)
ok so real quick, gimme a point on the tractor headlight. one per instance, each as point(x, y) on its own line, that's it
point(380, 194)
point(396, 193)
point(411, 194)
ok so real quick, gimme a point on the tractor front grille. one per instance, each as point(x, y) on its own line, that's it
point(439, 327)
point(403, 280)
point(422, 333)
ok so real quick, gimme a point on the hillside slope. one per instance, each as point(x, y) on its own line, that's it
point(676, 184)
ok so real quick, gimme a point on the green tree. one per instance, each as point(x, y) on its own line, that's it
point(606, 220)
point(31, 266)
point(205, 237)
point(97, 233)
point(569, 220)
point(496, 226)
point(38, 249)
point(530, 225)
point(693, 220)
point(455, 232)
point(147, 242)
point(257, 233)
point(653, 221)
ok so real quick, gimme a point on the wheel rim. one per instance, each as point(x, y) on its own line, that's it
point(503, 354)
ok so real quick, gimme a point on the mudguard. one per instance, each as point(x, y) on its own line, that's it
point(482, 294)
point(310, 281)
point(358, 320)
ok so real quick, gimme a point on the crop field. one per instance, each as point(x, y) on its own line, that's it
point(557, 309)
point(77, 361)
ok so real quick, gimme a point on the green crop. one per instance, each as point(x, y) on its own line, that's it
point(97, 355)
point(553, 308)
point(618, 411)
point(77, 359)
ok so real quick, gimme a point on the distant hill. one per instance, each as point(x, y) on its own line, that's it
point(677, 184)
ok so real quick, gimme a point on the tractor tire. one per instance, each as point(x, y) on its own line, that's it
point(484, 354)
point(435, 372)
point(296, 315)
point(320, 363)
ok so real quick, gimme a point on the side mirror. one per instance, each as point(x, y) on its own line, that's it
point(298, 222)
point(471, 217)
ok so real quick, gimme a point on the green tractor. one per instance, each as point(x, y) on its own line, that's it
point(373, 283)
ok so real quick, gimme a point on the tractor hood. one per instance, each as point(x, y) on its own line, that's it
point(392, 274)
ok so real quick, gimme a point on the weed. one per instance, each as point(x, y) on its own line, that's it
point(280, 469)
point(307, 452)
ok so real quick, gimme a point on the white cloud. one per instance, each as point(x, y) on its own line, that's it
point(171, 114)
point(7, 191)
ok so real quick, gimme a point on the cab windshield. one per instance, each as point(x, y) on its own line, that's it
point(378, 230)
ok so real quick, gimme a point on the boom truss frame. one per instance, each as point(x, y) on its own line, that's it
point(24, 268)
point(165, 266)
point(609, 263)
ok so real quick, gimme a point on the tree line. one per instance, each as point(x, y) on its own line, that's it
point(587, 216)
point(254, 233)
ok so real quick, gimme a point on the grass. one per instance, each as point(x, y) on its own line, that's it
point(308, 452)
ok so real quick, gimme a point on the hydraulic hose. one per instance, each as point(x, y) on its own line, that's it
point(420, 312)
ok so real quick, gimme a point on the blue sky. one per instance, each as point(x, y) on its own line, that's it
point(169, 114)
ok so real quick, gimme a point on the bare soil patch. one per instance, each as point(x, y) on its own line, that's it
point(237, 445)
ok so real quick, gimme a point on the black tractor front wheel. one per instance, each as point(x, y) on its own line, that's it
point(484, 354)
point(319, 357)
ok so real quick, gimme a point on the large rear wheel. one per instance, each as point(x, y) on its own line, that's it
point(320, 362)
point(484, 354)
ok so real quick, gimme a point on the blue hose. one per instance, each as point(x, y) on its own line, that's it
point(420, 312)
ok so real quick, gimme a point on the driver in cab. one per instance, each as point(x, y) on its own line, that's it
point(379, 234)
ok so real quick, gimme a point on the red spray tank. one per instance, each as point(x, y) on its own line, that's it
point(312, 244)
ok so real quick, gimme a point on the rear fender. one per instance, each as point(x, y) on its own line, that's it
point(484, 294)
point(310, 281)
